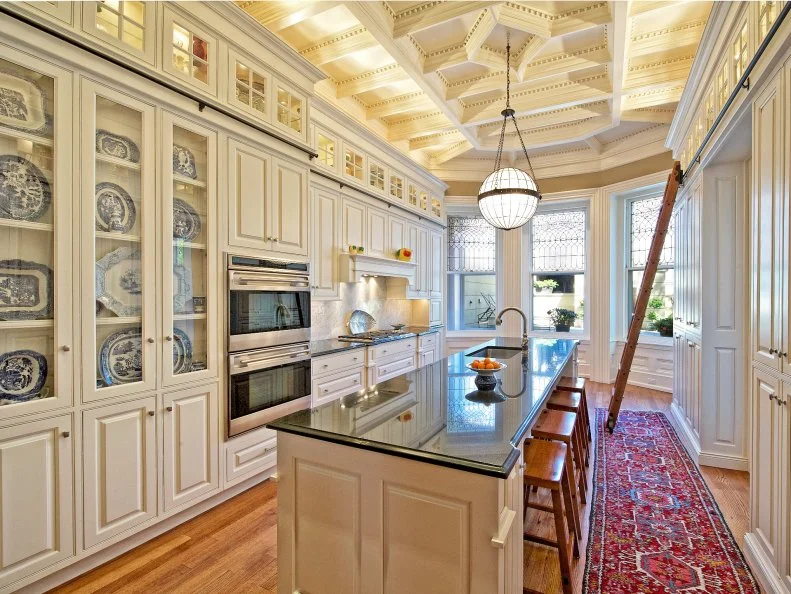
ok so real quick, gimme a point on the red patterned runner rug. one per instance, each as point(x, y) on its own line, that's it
point(655, 527)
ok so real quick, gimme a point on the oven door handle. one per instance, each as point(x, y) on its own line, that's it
point(255, 284)
point(253, 364)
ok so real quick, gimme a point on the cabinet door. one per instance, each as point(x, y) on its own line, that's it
point(436, 260)
point(435, 312)
point(325, 246)
point(36, 235)
point(785, 479)
point(191, 444)
point(189, 252)
point(249, 187)
point(694, 384)
point(377, 233)
point(767, 228)
point(353, 227)
point(119, 248)
point(36, 497)
point(290, 208)
point(397, 234)
point(694, 233)
point(766, 463)
point(120, 468)
point(678, 370)
point(424, 262)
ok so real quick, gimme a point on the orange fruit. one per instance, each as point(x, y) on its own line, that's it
point(496, 365)
point(487, 360)
point(476, 364)
point(489, 365)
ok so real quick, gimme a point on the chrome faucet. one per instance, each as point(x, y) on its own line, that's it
point(499, 320)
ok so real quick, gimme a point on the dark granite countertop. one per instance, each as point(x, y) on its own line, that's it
point(333, 345)
point(437, 415)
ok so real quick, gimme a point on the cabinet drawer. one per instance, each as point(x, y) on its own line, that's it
point(330, 364)
point(425, 358)
point(394, 368)
point(427, 342)
point(329, 388)
point(392, 349)
point(250, 454)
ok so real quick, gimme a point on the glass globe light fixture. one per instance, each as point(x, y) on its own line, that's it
point(509, 197)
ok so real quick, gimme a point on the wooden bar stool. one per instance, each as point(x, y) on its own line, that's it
point(561, 426)
point(572, 402)
point(568, 384)
point(546, 467)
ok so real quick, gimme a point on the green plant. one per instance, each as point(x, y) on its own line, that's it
point(665, 326)
point(562, 317)
point(656, 303)
point(545, 284)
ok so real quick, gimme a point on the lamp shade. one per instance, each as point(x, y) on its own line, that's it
point(508, 198)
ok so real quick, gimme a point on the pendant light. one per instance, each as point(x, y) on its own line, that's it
point(508, 197)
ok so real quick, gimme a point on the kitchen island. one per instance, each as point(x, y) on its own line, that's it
point(414, 484)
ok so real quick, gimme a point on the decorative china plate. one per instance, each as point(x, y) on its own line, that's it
point(182, 352)
point(182, 289)
point(115, 145)
point(361, 321)
point(25, 193)
point(25, 290)
point(22, 375)
point(119, 282)
point(184, 162)
point(23, 104)
point(121, 357)
point(115, 209)
point(186, 222)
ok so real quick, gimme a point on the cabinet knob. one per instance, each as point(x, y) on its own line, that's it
point(151, 413)
point(783, 402)
point(772, 351)
point(169, 338)
point(150, 340)
point(65, 348)
point(169, 408)
point(772, 397)
point(275, 239)
point(65, 434)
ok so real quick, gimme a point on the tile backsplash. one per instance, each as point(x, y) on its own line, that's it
point(330, 318)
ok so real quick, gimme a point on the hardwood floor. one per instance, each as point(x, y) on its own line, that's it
point(233, 547)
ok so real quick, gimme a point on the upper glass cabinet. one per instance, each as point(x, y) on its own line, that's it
point(35, 238)
point(189, 248)
point(249, 87)
point(190, 52)
point(125, 24)
point(291, 113)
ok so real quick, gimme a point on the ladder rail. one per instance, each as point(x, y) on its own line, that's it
point(647, 283)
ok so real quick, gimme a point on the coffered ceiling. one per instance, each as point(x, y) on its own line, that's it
point(430, 77)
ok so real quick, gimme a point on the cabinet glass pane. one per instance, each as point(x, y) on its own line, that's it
point(190, 221)
point(27, 204)
point(123, 20)
point(119, 212)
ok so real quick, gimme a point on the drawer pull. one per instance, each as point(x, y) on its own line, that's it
point(65, 434)
point(326, 365)
point(151, 413)
point(326, 390)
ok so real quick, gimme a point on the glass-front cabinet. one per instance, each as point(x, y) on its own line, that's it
point(119, 256)
point(189, 248)
point(36, 348)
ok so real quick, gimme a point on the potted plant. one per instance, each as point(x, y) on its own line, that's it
point(665, 326)
point(562, 319)
point(545, 287)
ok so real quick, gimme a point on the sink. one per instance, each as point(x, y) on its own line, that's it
point(496, 352)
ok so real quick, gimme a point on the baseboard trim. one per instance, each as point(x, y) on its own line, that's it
point(762, 567)
point(71, 568)
point(723, 461)
point(684, 433)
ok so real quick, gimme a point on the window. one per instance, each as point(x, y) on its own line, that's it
point(767, 13)
point(251, 88)
point(557, 269)
point(289, 110)
point(123, 20)
point(740, 54)
point(190, 54)
point(642, 215)
point(354, 164)
point(722, 85)
point(471, 279)
point(326, 150)
point(376, 176)
point(397, 187)
point(412, 195)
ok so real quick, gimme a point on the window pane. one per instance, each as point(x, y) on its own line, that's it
point(643, 215)
point(471, 245)
point(553, 291)
point(559, 241)
point(660, 305)
point(471, 301)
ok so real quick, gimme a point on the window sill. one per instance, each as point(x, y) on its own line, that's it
point(649, 340)
point(483, 334)
point(554, 335)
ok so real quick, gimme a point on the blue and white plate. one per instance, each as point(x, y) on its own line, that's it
point(22, 375)
point(25, 193)
point(121, 357)
point(115, 145)
point(25, 290)
point(23, 104)
point(184, 162)
point(182, 352)
point(119, 281)
point(186, 221)
point(115, 209)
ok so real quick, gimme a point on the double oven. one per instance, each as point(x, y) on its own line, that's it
point(268, 340)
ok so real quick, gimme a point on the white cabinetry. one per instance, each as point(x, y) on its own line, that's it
point(290, 208)
point(36, 519)
point(336, 375)
point(353, 224)
point(249, 454)
point(390, 359)
point(119, 468)
point(436, 261)
point(378, 242)
point(325, 213)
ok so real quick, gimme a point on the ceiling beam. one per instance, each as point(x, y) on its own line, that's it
point(418, 125)
point(551, 135)
point(416, 101)
point(643, 7)
point(649, 75)
point(595, 144)
point(276, 16)
point(524, 18)
point(492, 81)
point(526, 55)
point(656, 115)
point(368, 81)
point(657, 40)
point(619, 44)
point(429, 14)
point(563, 62)
point(653, 97)
point(445, 58)
point(451, 152)
point(549, 118)
point(479, 33)
point(579, 19)
point(435, 140)
point(338, 45)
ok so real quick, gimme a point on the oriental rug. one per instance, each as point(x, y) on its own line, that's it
point(655, 527)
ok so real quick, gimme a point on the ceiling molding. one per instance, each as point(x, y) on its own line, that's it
point(373, 79)
point(338, 45)
point(429, 14)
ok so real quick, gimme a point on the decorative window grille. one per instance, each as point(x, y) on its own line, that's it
point(123, 20)
point(251, 87)
point(397, 187)
point(471, 245)
point(354, 164)
point(376, 176)
point(326, 150)
point(643, 215)
point(559, 241)
point(289, 110)
point(190, 54)
point(412, 195)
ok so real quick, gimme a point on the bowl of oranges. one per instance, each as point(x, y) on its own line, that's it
point(486, 366)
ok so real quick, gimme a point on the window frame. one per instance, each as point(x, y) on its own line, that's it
point(279, 85)
point(384, 176)
point(317, 132)
point(253, 66)
point(149, 28)
point(363, 163)
point(396, 196)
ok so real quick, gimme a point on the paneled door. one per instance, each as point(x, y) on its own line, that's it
point(118, 244)
point(377, 233)
point(436, 260)
point(119, 468)
point(189, 252)
point(290, 208)
point(397, 234)
point(249, 191)
point(767, 225)
point(353, 227)
point(784, 407)
point(36, 523)
point(325, 248)
point(37, 327)
point(191, 444)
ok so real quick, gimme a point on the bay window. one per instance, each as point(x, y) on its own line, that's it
point(472, 295)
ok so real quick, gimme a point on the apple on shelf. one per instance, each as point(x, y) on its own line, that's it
point(404, 254)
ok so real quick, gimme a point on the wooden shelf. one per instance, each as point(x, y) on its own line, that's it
point(117, 236)
point(28, 225)
point(117, 162)
point(189, 244)
point(189, 316)
point(188, 181)
point(42, 140)
point(116, 321)
point(23, 324)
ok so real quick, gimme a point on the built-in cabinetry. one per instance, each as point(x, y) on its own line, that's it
point(336, 375)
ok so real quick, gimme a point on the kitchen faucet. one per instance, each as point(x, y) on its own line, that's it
point(499, 320)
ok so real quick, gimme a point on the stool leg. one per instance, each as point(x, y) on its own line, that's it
point(563, 542)
point(584, 402)
point(525, 501)
point(580, 463)
point(572, 511)
point(572, 474)
point(583, 442)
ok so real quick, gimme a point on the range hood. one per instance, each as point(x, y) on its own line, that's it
point(354, 267)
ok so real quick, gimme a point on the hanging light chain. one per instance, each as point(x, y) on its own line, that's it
point(524, 150)
point(508, 70)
